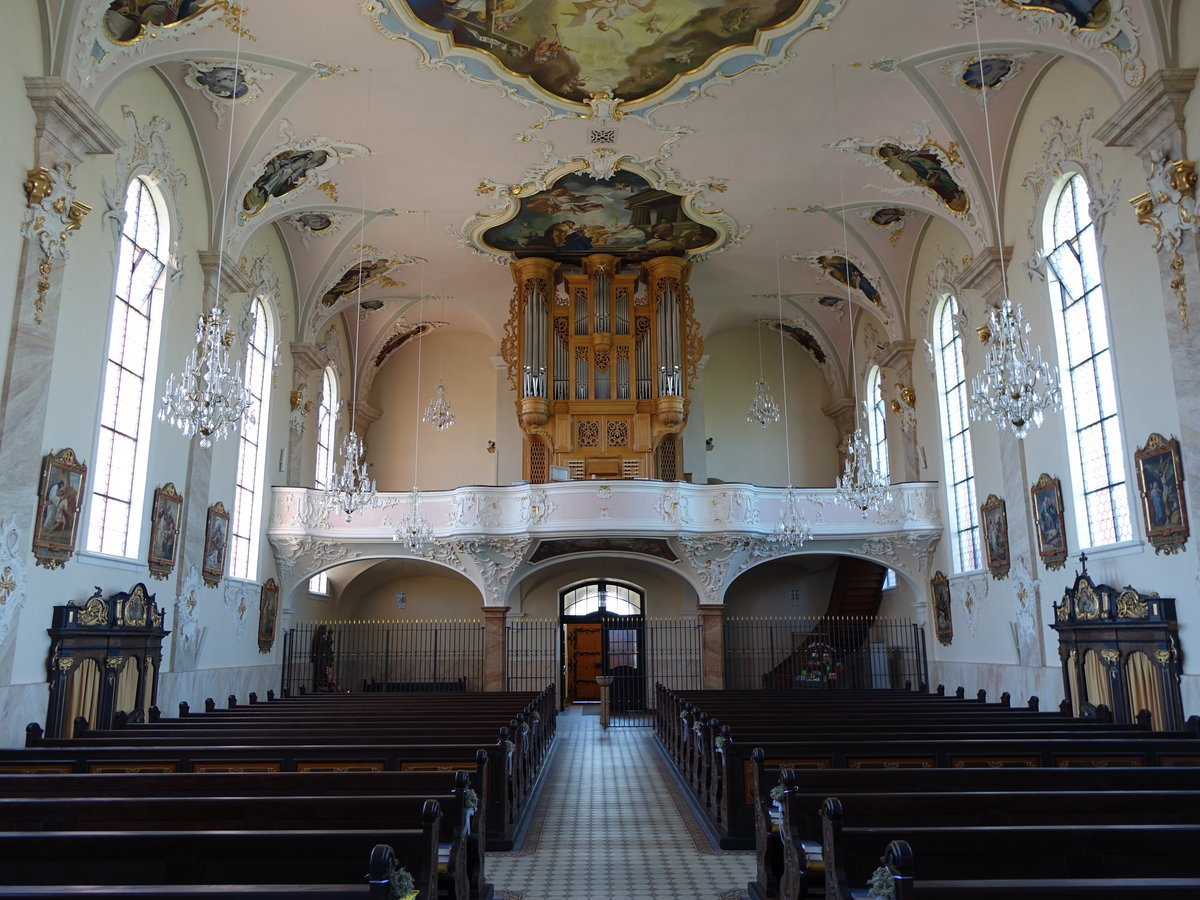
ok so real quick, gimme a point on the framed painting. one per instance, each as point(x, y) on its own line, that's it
point(1160, 482)
point(943, 624)
point(59, 496)
point(216, 543)
point(268, 614)
point(994, 516)
point(165, 516)
point(1048, 517)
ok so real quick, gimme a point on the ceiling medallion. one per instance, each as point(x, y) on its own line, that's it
point(561, 52)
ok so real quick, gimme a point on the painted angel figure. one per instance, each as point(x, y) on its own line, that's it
point(601, 12)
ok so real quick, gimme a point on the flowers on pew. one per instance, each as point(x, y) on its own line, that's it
point(470, 798)
point(509, 747)
point(401, 885)
point(777, 793)
point(881, 884)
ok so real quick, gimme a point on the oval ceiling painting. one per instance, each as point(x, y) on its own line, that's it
point(579, 215)
point(572, 49)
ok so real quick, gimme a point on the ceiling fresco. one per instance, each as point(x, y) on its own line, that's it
point(578, 215)
point(571, 50)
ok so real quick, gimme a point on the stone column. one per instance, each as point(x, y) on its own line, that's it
point(495, 651)
point(307, 376)
point(843, 414)
point(67, 130)
point(712, 644)
point(897, 359)
point(1151, 123)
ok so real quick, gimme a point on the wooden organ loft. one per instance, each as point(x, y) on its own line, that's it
point(602, 354)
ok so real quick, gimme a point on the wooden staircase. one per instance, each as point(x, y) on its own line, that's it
point(843, 630)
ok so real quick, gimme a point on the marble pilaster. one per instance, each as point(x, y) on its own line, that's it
point(307, 368)
point(843, 413)
point(712, 645)
point(495, 675)
point(1151, 123)
point(897, 359)
point(67, 131)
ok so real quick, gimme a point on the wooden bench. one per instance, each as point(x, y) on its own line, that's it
point(1052, 853)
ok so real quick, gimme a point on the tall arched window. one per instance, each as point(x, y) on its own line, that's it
point(1100, 494)
point(326, 433)
point(119, 470)
point(877, 423)
point(956, 438)
point(243, 544)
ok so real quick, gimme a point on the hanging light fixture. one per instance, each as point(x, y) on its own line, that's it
point(209, 399)
point(860, 485)
point(439, 413)
point(352, 488)
point(792, 530)
point(1016, 387)
point(763, 409)
point(413, 530)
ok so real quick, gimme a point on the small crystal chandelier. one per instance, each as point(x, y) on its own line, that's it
point(351, 488)
point(414, 530)
point(439, 413)
point(1016, 386)
point(763, 411)
point(208, 399)
point(793, 529)
point(861, 485)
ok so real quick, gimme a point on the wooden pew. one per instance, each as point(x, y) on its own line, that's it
point(237, 856)
point(336, 796)
point(1049, 853)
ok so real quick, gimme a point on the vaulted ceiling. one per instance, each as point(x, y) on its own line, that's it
point(813, 129)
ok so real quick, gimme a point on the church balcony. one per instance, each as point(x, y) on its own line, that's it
point(710, 533)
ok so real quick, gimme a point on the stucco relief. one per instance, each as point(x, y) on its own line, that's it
point(188, 634)
point(12, 574)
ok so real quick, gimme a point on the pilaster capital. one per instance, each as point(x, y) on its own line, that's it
point(985, 274)
point(306, 357)
point(898, 355)
point(842, 412)
point(233, 280)
point(363, 415)
point(495, 612)
point(67, 128)
point(1152, 120)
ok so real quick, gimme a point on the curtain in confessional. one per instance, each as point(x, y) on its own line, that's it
point(1095, 679)
point(148, 686)
point(1073, 682)
point(1142, 678)
point(127, 685)
point(83, 694)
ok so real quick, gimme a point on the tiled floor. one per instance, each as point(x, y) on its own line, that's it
point(609, 826)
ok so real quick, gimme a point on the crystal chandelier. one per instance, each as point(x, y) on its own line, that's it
point(1016, 386)
point(351, 488)
point(414, 530)
point(439, 413)
point(763, 411)
point(861, 485)
point(208, 399)
point(793, 529)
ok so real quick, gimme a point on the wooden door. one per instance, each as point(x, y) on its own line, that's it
point(584, 661)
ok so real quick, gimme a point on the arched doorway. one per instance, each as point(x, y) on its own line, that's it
point(603, 628)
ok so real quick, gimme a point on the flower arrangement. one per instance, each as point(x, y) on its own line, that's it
point(470, 798)
point(881, 884)
point(401, 885)
point(777, 793)
point(509, 746)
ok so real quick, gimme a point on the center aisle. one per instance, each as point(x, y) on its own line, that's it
point(610, 825)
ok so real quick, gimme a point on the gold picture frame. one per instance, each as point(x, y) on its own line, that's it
point(1046, 495)
point(166, 514)
point(216, 545)
point(60, 498)
point(993, 516)
point(943, 622)
point(1160, 484)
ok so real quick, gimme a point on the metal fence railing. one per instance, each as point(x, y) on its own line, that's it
point(532, 647)
point(847, 652)
point(387, 655)
point(665, 651)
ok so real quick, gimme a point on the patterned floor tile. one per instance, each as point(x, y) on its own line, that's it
point(610, 824)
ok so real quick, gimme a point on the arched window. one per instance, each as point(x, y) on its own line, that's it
point(326, 432)
point(956, 439)
point(119, 470)
point(611, 597)
point(877, 423)
point(1100, 495)
point(247, 512)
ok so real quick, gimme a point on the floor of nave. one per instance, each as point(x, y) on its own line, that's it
point(610, 824)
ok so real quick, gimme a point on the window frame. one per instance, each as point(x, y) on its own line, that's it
point(877, 423)
point(245, 522)
point(323, 464)
point(1088, 531)
point(100, 502)
point(964, 557)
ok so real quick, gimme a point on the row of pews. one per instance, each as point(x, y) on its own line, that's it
point(931, 797)
point(330, 795)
